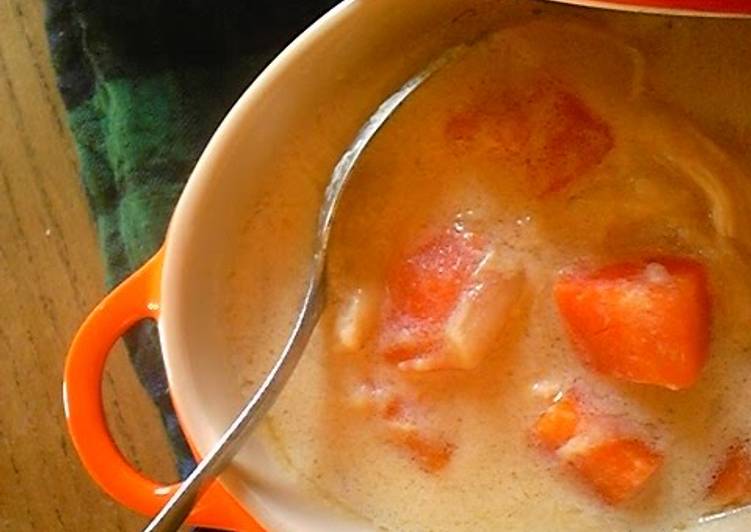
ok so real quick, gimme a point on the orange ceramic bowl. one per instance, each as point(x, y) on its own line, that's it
point(341, 67)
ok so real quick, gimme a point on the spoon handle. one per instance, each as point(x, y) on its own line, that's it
point(174, 513)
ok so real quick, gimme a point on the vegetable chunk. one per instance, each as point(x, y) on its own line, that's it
point(544, 129)
point(423, 290)
point(732, 482)
point(430, 451)
point(642, 322)
point(447, 302)
point(601, 448)
point(356, 319)
point(405, 424)
point(427, 284)
point(559, 422)
point(481, 313)
point(616, 468)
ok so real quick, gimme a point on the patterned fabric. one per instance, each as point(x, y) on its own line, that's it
point(145, 83)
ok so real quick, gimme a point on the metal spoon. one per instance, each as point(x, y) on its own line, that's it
point(174, 512)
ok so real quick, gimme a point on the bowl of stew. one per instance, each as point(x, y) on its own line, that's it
point(539, 283)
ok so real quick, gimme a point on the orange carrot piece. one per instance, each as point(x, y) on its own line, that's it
point(545, 129)
point(423, 289)
point(558, 423)
point(617, 468)
point(574, 140)
point(643, 322)
point(732, 482)
point(427, 283)
point(431, 451)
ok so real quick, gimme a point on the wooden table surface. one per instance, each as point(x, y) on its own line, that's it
point(50, 276)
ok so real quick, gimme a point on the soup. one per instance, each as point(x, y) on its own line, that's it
point(538, 302)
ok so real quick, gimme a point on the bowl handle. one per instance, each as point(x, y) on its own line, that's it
point(137, 298)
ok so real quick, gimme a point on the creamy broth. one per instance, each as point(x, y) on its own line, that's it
point(652, 183)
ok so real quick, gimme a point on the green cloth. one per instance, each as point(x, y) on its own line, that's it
point(145, 83)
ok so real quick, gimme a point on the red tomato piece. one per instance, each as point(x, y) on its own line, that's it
point(644, 322)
